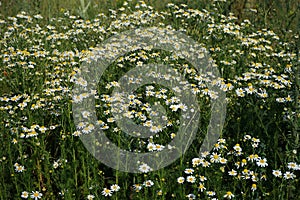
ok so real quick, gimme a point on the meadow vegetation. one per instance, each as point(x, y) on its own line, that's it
point(42, 47)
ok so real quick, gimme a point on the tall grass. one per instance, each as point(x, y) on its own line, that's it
point(279, 15)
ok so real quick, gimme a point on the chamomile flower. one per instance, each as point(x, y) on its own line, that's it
point(19, 168)
point(232, 172)
point(151, 146)
point(106, 192)
point(148, 183)
point(237, 147)
point(191, 179)
point(201, 187)
point(90, 197)
point(77, 133)
point(155, 129)
point(144, 168)
point(114, 188)
point(253, 157)
point(196, 162)
point(223, 160)
point(289, 175)
point(215, 158)
point(244, 162)
point(191, 196)
point(210, 193)
point(85, 114)
point(204, 154)
point(202, 178)
point(189, 171)
point(217, 146)
point(240, 92)
point(160, 192)
point(293, 166)
point(277, 173)
point(253, 187)
point(159, 147)
point(56, 164)
point(25, 195)
point(228, 195)
point(137, 187)
point(205, 163)
point(180, 180)
point(36, 195)
point(262, 162)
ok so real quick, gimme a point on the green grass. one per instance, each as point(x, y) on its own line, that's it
point(279, 15)
point(259, 67)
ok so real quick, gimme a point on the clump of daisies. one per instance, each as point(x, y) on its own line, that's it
point(33, 195)
point(109, 191)
point(244, 165)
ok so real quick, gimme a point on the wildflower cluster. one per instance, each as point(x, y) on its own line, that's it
point(41, 63)
point(241, 165)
